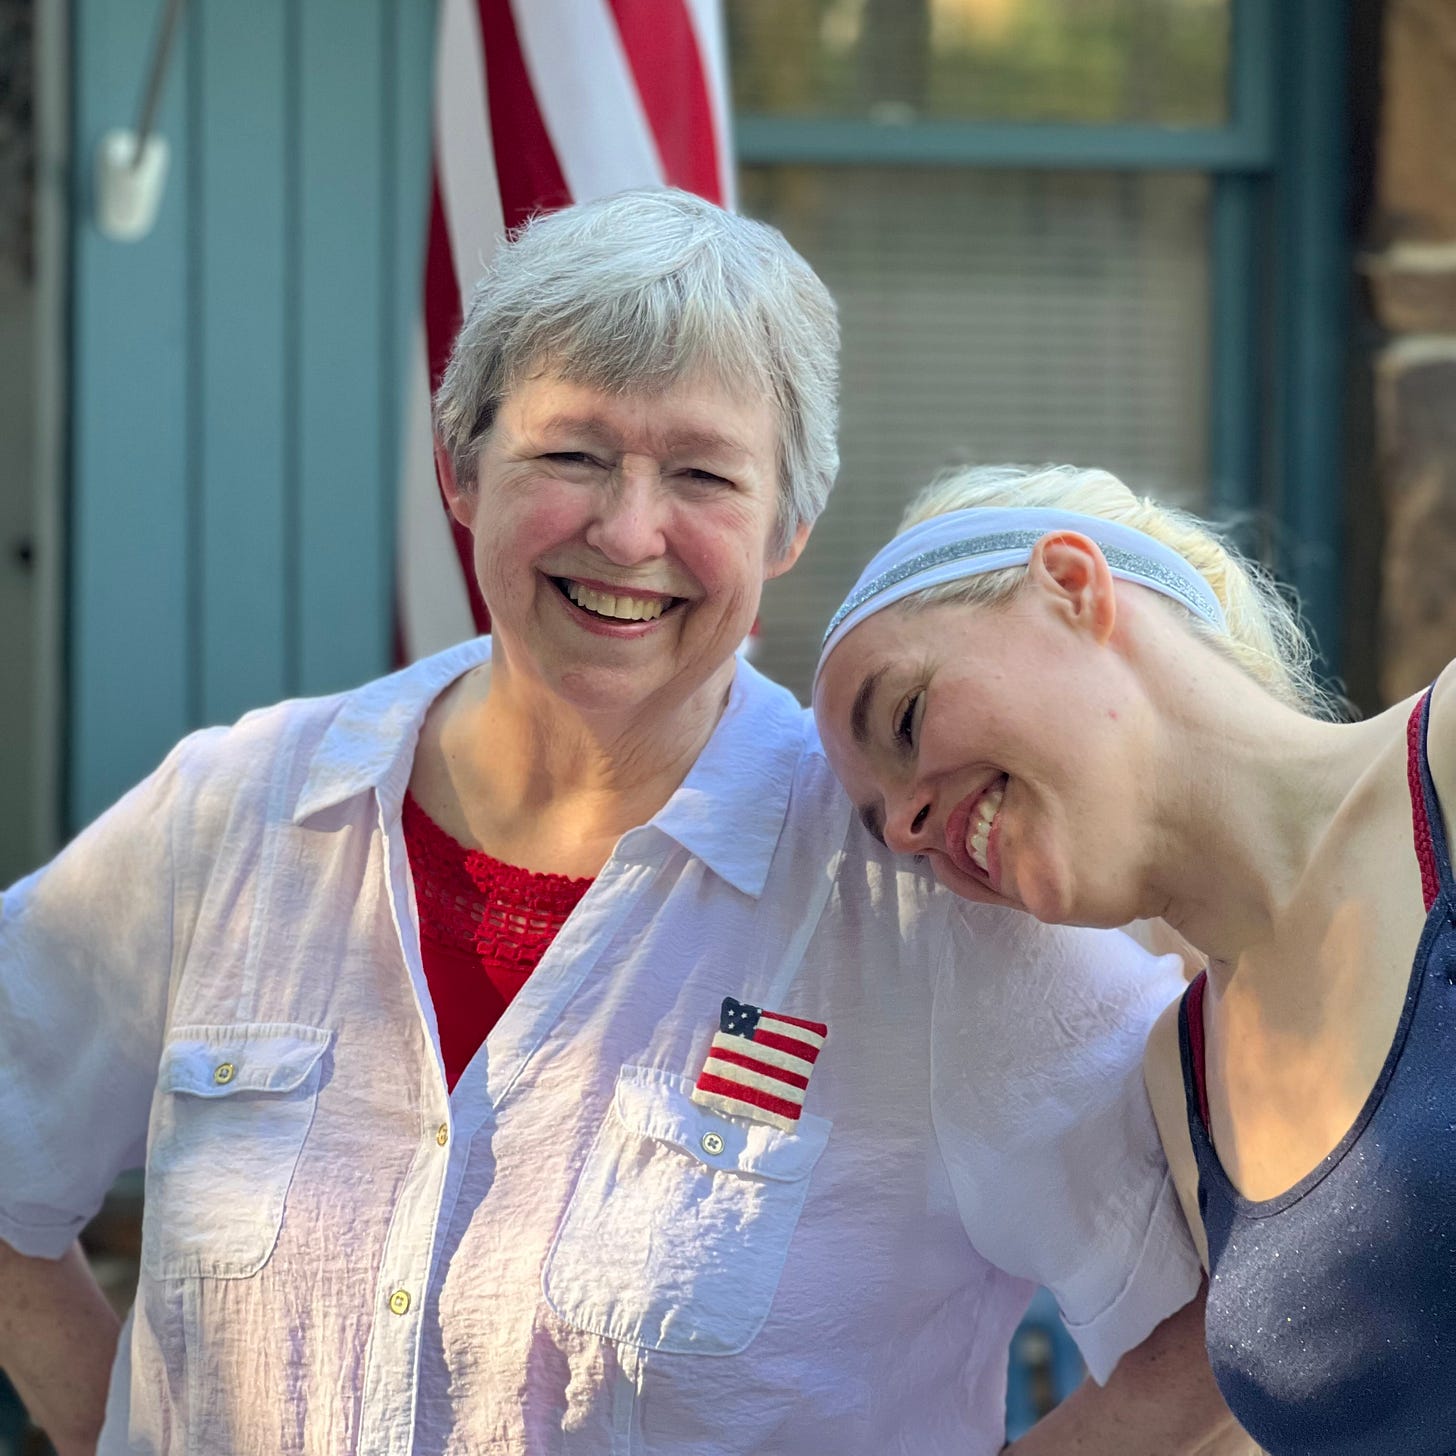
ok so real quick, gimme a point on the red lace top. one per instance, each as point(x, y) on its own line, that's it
point(484, 927)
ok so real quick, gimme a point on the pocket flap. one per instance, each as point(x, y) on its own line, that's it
point(658, 1104)
point(216, 1061)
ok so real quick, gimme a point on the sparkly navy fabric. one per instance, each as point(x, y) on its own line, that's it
point(1332, 1308)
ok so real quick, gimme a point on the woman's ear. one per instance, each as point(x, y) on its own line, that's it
point(461, 502)
point(781, 562)
point(1072, 568)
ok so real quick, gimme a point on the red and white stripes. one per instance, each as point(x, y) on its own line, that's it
point(763, 1075)
point(538, 103)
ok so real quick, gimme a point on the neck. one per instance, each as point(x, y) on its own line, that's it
point(543, 784)
point(1260, 787)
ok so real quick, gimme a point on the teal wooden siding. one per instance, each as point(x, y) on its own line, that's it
point(236, 375)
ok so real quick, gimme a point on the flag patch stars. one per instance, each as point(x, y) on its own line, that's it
point(759, 1063)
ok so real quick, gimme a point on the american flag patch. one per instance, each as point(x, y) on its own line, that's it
point(759, 1063)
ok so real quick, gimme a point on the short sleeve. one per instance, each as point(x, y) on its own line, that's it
point(1045, 1126)
point(86, 952)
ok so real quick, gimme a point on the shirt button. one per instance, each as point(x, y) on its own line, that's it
point(399, 1301)
point(223, 1073)
point(442, 1135)
point(712, 1144)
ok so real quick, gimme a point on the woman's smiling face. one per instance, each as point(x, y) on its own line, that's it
point(995, 742)
point(622, 540)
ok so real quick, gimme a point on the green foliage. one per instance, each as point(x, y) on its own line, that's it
point(1091, 61)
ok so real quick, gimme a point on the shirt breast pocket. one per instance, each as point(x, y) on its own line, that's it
point(677, 1232)
point(233, 1107)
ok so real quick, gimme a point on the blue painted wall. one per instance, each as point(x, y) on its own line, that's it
point(236, 375)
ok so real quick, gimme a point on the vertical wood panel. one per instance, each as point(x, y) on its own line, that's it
point(237, 373)
point(241, 262)
point(414, 53)
point(344, 591)
point(130, 570)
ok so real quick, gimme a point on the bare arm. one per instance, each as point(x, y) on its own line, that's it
point(1161, 1400)
point(57, 1343)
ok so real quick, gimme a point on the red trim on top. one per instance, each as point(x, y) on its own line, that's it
point(526, 167)
point(662, 50)
point(1425, 846)
point(484, 926)
point(1196, 1050)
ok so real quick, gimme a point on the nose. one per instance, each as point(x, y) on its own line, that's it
point(628, 527)
point(906, 823)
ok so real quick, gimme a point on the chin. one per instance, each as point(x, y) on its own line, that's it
point(1052, 904)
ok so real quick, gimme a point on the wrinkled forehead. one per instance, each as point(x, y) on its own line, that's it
point(700, 401)
point(652, 363)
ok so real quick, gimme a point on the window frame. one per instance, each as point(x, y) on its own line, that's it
point(1279, 264)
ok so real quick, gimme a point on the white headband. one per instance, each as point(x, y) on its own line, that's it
point(966, 543)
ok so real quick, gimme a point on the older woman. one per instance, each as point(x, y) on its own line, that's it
point(1084, 705)
point(528, 1052)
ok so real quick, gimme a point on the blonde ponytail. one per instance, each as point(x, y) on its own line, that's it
point(1264, 635)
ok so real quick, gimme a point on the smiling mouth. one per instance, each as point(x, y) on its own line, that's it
point(968, 830)
point(615, 606)
point(982, 820)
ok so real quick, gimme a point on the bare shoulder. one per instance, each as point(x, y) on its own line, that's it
point(1442, 731)
point(1163, 1076)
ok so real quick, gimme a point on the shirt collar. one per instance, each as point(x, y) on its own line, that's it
point(728, 811)
point(371, 742)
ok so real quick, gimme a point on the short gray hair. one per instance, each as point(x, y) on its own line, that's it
point(632, 293)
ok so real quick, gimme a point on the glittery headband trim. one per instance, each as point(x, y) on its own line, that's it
point(1119, 558)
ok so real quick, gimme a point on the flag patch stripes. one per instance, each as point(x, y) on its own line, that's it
point(758, 1064)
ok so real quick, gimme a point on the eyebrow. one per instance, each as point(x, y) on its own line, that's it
point(680, 442)
point(859, 713)
point(582, 426)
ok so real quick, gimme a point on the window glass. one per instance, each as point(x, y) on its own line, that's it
point(991, 316)
point(1160, 61)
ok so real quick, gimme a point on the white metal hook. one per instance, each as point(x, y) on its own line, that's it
point(131, 166)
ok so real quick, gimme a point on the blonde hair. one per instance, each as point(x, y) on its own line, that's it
point(1264, 637)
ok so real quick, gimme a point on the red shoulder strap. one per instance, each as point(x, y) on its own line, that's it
point(1415, 766)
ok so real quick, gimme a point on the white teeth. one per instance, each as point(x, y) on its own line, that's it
point(624, 608)
point(980, 835)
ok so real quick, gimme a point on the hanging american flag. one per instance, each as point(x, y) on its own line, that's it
point(758, 1064)
point(538, 103)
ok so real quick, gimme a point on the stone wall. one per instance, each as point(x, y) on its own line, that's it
point(1412, 275)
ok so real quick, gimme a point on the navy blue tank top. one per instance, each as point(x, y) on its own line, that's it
point(1332, 1308)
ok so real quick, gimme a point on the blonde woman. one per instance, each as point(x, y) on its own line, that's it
point(1086, 706)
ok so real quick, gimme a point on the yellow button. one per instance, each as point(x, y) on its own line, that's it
point(399, 1301)
point(223, 1073)
point(442, 1136)
point(712, 1144)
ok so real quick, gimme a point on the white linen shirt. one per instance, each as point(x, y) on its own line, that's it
point(221, 978)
